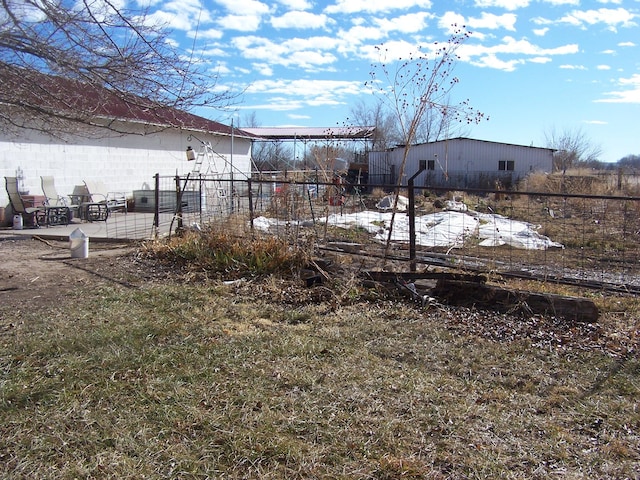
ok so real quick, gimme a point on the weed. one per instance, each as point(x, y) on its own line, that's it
point(221, 253)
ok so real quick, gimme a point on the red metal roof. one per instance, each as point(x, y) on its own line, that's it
point(57, 94)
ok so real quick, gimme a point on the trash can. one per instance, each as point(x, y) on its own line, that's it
point(79, 244)
point(17, 222)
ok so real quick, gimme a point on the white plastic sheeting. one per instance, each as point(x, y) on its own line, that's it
point(441, 229)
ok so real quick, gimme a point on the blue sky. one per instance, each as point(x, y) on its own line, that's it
point(532, 66)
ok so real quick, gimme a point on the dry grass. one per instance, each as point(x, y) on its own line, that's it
point(581, 181)
point(219, 251)
point(265, 379)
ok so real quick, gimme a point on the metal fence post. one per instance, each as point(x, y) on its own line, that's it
point(250, 195)
point(412, 216)
point(178, 204)
point(156, 207)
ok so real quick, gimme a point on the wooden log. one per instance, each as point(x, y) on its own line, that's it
point(462, 293)
point(412, 276)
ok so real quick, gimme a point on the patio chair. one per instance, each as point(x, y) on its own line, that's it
point(59, 209)
point(32, 216)
point(99, 202)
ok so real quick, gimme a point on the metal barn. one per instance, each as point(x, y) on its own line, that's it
point(460, 163)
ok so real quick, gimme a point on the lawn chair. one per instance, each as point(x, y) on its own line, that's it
point(59, 209)
point(32, 216)
point(99, 202)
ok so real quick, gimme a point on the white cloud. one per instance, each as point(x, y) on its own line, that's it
point(296, 4)
point(487, 56)
point(221, 68)
point(409, 23)
point(629, 93)
point(209, 33)
point(306, 53)
point(263, 69)
point(245, 7)
point(357, 35)
point(614, 18)
point(540, 32)
point(298, 19)
point(214, 52)
point(491, 61)
point(626, 44)
point(603, 67)
point(573, 67)
point(300, 93)
point(275, 104)
point(297, 116)
point(491, 21)
point(375, 6)
point(540, 60)
point(506, 4)
point(242, 23)
point(390, 51)
point(180, 15)
point(308, 59)
point(595, 122)
point(449, 21)
point(563, 2)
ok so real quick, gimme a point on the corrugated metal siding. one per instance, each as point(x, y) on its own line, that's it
point(464, 162)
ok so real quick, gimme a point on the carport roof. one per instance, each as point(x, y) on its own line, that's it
point(312, 133)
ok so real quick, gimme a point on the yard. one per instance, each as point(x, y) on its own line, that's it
point(118, 366)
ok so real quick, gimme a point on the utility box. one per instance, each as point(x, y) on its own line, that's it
point(145, 201)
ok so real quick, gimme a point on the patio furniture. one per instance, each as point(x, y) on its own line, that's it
point(95, 202)
point(59, 211)
point(37, 215)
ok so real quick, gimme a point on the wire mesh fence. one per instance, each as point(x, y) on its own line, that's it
point(591, 240)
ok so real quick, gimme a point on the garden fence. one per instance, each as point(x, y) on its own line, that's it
point(588, 240)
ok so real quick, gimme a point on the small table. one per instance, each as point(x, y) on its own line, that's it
point(58, 215)
point(94, 212)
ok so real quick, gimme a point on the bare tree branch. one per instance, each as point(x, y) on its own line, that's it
point(416, 87)
point(572, 147)
point(100, 48)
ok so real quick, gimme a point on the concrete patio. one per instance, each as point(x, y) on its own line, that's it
point(131, 226)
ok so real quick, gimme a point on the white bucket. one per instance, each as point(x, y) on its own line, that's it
point(79, 244)
point(17, 222)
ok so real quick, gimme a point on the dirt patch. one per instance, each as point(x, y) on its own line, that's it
point(37, 273)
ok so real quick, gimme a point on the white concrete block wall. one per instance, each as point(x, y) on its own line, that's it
point(122, 163)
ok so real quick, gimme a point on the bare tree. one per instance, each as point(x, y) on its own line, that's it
point(438, 124)
point(272, 156)
point(53, 50)
point(416, 90)
point(386, 133)
point(417, 87)
point(572, 147)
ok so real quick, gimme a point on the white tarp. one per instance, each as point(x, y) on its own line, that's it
point(441, 229)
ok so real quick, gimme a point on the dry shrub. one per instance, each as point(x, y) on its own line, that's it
point(377, 194)
point(535, 182)
point(222, 253)
point(573, 182)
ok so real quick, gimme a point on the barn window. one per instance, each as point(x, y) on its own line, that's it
point(431, 164)
point(506, 165)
